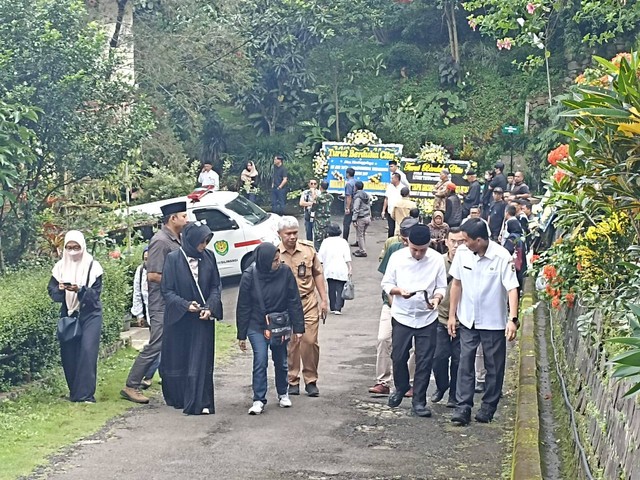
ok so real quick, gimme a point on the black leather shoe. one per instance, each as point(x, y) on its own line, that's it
point(484, 416)
point(437, 396)
point(451, 403)
point(354, 244)
point(395, 399)
point(421, 410)
point(312, 389)
point(462, 416)
point(294, 389)
point(479, 387)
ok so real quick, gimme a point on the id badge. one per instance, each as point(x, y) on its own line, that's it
point(302, 270)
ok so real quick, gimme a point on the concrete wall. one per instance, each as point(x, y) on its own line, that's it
point(609, 424)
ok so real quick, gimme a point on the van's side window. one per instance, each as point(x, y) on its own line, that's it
point(216, 220)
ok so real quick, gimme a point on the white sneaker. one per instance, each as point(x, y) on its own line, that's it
point(285, 401)
point(205, 411)
point(337, 312)
point(257, 408)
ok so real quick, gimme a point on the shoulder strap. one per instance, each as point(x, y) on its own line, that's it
point(89, 274)
point(258, 288)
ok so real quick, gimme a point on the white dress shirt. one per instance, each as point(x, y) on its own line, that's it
point(403, 179)
point(393, 196)
point(334, 254)
point(210, 178)
point(486, 282)
point(405, 272)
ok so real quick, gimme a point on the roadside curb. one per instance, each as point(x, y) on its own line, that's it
point(526, 452)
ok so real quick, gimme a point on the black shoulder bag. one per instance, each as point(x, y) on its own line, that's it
point(69, 328)
point(278, 329)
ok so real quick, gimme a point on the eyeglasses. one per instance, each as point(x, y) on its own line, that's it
point(75, 248)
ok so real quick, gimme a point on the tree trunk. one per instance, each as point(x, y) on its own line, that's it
point(122, 4)
point(454, 27)
point(337, 104)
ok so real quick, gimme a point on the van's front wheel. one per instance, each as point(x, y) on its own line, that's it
point(246, 261)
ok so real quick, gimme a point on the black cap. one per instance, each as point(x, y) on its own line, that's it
point(420, 235)
point(471, 171)
point(173, 208)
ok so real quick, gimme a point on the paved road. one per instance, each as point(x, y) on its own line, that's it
point(343, 434)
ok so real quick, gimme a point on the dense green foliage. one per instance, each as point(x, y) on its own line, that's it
point(28, 319)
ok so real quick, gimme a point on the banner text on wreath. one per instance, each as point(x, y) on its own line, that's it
point(433, 168)
point(363, 152)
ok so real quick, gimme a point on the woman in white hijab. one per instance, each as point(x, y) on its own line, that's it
point(76, 283)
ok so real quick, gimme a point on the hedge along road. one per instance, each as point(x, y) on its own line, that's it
point(344, 433)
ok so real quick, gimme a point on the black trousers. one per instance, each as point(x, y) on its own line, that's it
point(80, 359)
point(336, 301)
point(402, 339)
point(391, 225)
point(494, 347)
point(346, 225)
point(445, 373)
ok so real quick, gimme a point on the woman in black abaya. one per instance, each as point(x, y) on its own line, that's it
point(191, 309)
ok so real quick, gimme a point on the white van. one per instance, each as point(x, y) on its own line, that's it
point(238, 226)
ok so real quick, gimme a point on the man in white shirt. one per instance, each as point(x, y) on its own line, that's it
point(393, 168)
point(208, 177)
point(391, 197)
point(416, 279)
point(484, 278)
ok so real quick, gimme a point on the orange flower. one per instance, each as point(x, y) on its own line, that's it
point(549, 272)
point(559, 154)
point(579, 266)
point(570, 298)
point(559, 175)
point(555, 303)
point(535, 258)
point(549, 290)
point(115, 254)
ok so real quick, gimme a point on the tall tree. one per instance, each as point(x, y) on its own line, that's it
point(53, 59)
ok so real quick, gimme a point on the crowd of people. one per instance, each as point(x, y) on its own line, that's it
point(450, 291)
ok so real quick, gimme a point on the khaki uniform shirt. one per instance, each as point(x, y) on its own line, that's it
point(304, 254)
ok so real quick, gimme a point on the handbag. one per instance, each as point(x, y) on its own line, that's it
point(349, 290)
point(69, 327)
point(278, 329)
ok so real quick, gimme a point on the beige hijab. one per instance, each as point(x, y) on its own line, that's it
point(73, 268)
point(247, 175)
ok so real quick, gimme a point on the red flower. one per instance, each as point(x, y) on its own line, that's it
point(535, 258)
point(559, 175)
point(570, 298)
point(549, 272)
point(115, 254)
point(549, 290)
point(555, 303)
point(559, 154)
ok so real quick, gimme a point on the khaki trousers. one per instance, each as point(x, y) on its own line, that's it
point(384, 365)
point(306, 350)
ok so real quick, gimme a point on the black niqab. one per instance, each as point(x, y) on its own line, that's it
point(192, 236)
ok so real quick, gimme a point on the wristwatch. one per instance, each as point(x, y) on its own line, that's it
point(516, 321)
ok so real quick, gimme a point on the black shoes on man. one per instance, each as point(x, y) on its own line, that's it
point(311, 388)
point(421, 410)
point(462, 416)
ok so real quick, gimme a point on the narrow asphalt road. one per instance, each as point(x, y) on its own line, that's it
point(343, 434)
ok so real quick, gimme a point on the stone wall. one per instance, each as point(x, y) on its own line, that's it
point(609, 424)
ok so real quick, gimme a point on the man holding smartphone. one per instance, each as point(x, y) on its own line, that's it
point(417, 281)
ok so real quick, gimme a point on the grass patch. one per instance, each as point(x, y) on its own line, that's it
point(40, 421)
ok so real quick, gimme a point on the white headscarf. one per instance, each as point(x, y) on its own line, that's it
point(73, 268)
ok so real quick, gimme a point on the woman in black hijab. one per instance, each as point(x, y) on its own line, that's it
point(280, 294)
point(191, 289)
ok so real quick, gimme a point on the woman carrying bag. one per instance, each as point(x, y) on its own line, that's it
point(268, 289)
point(192, 292)
point(76, 283)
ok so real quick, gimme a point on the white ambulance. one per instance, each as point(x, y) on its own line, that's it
point(238, 226)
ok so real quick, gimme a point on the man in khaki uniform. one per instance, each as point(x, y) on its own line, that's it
point(301, 258)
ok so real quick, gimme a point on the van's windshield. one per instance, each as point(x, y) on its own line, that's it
point(249, 210)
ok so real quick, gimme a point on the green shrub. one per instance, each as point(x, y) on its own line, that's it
point(405, 55)
point(28, 319)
